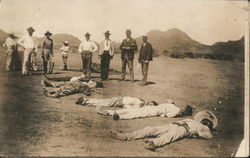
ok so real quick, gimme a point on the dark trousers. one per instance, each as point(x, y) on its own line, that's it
point(144, 68)
point(86, 63)
point(126, 61)
point(105, 61)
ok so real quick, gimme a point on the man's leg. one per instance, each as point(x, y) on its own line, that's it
point(9, 59)
point(83, 62)
point(140, 134)
point(45, 62)
point(102, 66)
point(107, 66)
point(33, 61)
point(89, 63)
point(124, 64)
point(51, 63)
point(130, 66)
point(144, 72)
point(173, 133)
point(26, 62)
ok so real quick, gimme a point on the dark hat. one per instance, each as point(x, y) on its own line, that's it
point(87, 34)
point(128, 31)
point(48, 33)
point(107, 33)
point(144, 36)
point(12, 34)
point(188, 110)
point(31, 29)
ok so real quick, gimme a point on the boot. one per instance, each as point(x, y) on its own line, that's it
point(65, 67)
point(51, 67)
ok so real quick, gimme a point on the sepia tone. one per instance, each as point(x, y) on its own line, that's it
point(67, 98)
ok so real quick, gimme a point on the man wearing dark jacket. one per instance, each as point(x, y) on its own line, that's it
point(128, 47)
point(145, 55)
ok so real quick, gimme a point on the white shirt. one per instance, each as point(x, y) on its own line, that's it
point(10, 43)
point(28, 42)
point(87, 46)
point(129, 102)
point(65, 50)
point(107, 45)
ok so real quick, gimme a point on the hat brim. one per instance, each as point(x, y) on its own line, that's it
point(48, 34)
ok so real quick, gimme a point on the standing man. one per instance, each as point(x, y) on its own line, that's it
point(11, 45)
point(86, 49)
point(47, 53)
point(106, 52)
point(30, 49)
point(128, 47)
point(145, 55)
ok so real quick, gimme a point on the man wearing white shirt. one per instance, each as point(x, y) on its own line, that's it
point(30, 45)
point(86, 49)
point(106, 52)
point(11, 45)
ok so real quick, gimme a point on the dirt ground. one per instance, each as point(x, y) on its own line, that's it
point(32, 124)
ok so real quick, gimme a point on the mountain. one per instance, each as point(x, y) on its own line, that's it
point(174, 40)
point(232, 49)
point(60, 38)
point(3, 36)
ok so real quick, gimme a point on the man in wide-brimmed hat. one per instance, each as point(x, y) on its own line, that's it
point(86, 49)
point(30, 45)
point(128, 47)
point(201, 126)
point(145, 56)
point(11, 45)
point(47, 53)
point(106, 52)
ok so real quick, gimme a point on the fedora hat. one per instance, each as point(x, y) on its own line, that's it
point(207, 115)
point(107, 33)
point(87, 34)
point(144, 36)
point(31, 29)
point(47, 33)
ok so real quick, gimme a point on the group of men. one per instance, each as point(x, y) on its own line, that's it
point(106, 51)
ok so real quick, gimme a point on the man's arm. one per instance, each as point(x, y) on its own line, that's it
point(80, 47)
point(52, 47)
point(21, 41)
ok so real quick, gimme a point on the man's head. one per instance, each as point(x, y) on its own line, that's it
point(128, 33)
point(188, 110)
point(30, 31)
point(107, 34)
point(47, 34)
point(12, 35)
point(205, 116)
point(144, 38)
point(207, 123)
point(87, 36)
point(152, 103)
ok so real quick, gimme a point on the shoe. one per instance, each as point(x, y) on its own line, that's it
point(149, 145)
point(116, 116)
point(102, 111)
point(119, 136)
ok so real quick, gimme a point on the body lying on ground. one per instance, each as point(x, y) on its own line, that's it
point(60, 89)
point(199, 127)
point(164, 110)
point(122, 102)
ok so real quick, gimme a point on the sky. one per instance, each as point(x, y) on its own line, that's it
point(207, 21)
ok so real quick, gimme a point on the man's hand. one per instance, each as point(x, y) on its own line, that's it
point(146, 61)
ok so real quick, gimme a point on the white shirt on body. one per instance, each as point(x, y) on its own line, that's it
point(87, 46)
point(28, 42)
